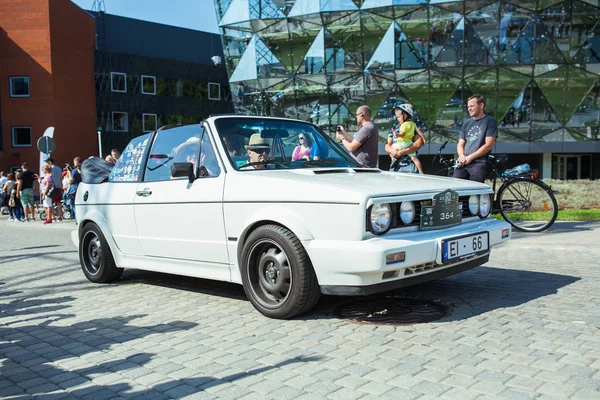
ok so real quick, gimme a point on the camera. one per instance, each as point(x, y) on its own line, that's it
point(339, 128)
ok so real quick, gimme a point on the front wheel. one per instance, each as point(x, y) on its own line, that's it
point(96, 259)
point(277, 274)
point(529, 206)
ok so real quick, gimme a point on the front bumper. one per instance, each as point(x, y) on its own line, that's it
point(351, 267)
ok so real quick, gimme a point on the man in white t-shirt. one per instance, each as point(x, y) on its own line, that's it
point(57, 175)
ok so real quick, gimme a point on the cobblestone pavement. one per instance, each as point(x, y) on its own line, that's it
point(526, 325)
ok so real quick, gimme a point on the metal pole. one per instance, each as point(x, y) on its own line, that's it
point(100, 143)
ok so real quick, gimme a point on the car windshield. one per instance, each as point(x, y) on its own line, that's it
point(254, 143)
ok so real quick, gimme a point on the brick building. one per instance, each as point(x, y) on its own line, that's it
point(46, 79)
point(84, 72)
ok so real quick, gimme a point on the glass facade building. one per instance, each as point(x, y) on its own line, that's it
point(537, 63)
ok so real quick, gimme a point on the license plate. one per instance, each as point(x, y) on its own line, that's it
point(465, 246)
point(445, 211)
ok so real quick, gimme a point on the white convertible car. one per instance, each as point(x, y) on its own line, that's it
point(279, 207)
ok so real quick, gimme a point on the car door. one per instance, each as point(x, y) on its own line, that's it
point(176, 218)
point(116, 198)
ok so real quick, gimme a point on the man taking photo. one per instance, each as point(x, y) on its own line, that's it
point(363, 146)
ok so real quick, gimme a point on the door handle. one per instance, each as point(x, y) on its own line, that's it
point(146, 192)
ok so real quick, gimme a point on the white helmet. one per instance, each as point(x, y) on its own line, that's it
point(407, 109)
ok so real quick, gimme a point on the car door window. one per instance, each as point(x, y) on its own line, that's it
point(180, 144)
point(128, 166)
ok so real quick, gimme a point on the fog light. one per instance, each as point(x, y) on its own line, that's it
point(394, 258)
point(505, 233)
point(474, 205)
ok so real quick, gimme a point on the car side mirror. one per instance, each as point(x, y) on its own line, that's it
point(186, 169)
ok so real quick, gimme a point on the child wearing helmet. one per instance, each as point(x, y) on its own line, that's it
point(405, 134)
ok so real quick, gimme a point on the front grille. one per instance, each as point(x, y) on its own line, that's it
point(464, 200)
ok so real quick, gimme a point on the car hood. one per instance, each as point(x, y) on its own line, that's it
point(344, 184)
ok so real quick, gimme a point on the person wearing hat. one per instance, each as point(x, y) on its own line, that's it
point(259, 150)
point(402, 138)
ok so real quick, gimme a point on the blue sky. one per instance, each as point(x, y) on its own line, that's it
point(193, 14)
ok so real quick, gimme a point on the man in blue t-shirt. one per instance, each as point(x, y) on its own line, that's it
point(475, 143)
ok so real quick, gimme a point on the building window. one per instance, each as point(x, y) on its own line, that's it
point(21, 136)
point(19, 86)
point(148, 122)
point(214, 91)
point(148, 84)
point(118, 82)
point(119, 121)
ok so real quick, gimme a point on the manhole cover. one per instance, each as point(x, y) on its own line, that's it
point(391, 311)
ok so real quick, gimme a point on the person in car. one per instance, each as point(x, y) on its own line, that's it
point(259, 150)
point(302, 151)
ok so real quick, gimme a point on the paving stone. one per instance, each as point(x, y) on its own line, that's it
point(511, 334)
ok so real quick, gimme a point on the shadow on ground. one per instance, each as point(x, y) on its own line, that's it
point(467, 294)
point(43, 354)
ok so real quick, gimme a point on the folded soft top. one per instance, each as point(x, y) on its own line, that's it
point(95, 170)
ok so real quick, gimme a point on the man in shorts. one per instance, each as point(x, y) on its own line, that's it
point(25, 191)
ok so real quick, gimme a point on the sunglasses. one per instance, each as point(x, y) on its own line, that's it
point(261, 150)
point(300, 137)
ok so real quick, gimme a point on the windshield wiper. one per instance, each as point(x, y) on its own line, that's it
point(273, 161)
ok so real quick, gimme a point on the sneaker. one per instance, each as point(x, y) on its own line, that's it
point(48, 221)
point(33, 218)
point(394, 163)
point(11, 219)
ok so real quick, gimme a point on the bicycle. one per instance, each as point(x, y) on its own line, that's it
point(523, 200)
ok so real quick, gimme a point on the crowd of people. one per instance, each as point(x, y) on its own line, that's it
point(476, 140)
point(25, 194)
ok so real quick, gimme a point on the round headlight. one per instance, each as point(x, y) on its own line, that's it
point(381, 218)
point(485, 205)
point(407, 212)
point(474, 204)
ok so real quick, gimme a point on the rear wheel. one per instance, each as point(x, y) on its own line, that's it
point(527, 205)
point(278, 277)
point(96, 259)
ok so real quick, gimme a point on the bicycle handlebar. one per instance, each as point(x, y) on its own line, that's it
point(443, 146)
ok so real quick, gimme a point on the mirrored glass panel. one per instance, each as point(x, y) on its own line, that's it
point(543, 117)
point(553, 87)
point(535, 61)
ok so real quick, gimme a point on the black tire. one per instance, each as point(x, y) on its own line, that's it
point(529, 206)
point(43, 215)
point(96, 259)
point(277, 274)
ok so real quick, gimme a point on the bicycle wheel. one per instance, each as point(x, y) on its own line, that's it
point(527, 205)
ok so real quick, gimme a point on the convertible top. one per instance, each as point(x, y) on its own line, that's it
point(95, 170)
